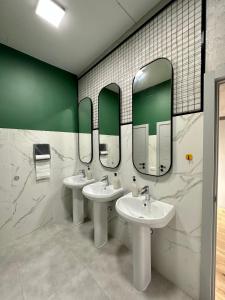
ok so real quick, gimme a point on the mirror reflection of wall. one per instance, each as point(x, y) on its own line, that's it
point(152, 118)
point(85, 130)
point(109, 125)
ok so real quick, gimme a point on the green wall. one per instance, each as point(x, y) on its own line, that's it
point(85, 115)
point(35, 95)
point(109, 112)
point(152, 105)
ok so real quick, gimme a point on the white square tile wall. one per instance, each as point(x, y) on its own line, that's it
point(175, 33)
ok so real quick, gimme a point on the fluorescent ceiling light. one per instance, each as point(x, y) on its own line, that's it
point(50, 11)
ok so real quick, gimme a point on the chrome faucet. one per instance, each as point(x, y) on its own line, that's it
point(145, 191)
point(82, 172)
point(106, 179)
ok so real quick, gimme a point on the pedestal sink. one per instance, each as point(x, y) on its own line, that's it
point(76, 183)
point(143, 216)
point(101, 194)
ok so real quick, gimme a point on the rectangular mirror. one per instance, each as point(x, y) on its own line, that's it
point(85, 130)
point(152, 118)
point(109, 125)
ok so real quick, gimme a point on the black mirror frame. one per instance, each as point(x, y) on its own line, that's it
point(120, 102)
point(91, 131)
point(171, 129)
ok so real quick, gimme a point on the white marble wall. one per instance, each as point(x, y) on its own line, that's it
point(175, 249)
point(25, 204)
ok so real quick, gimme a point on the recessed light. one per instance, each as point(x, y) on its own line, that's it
point(50, 11)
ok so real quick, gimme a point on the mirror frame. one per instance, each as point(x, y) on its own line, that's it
point(120, 102)
point(171, 129)
point(91, 131)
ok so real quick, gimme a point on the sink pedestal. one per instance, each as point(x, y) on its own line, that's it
point(141, 256)
point(78, 206)
point(100, 216)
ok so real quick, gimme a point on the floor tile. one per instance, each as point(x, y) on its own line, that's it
point(82, 287)
point(60, 262)
point(10, 284)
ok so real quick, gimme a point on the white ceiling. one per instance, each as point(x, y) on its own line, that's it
point(87, 30)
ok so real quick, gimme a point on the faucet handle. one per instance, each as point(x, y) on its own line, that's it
point(104, 177)
point(145, 190)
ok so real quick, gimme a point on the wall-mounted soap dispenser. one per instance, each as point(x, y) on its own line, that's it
point(116, 181)
point(89, 173)
point(134, 188)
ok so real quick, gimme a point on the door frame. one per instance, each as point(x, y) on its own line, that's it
point(210, 177)
point(146, 137)
point(157, 143)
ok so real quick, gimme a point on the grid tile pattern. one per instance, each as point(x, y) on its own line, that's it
point(175, 33)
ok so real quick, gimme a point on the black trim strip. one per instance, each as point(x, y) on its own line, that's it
point(187, 113)
point(203, 51)
point(126, 123)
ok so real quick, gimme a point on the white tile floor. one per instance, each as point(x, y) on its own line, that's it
point(60, 262)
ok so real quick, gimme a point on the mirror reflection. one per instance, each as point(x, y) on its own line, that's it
point(152, 118)
point(109, 125)
point(85, 130)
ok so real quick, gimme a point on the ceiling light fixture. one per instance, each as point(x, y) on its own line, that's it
point(50, 11)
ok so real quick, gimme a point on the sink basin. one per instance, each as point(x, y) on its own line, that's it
point(143, 216)
point(135, 209)
point(99, 192)
point(76, 183)
point(101, 195)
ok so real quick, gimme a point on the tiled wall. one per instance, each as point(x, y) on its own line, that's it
point(25, 204)
point(176, 249)
point(175, 33)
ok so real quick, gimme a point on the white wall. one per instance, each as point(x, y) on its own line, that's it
point(25, 204)
point(215, 35)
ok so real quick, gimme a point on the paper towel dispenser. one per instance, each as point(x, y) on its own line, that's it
point(41, 152)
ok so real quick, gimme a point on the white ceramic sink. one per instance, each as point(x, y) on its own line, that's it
point(99, 192)
point(76, 183)
point(156, 214)
point(143, 215)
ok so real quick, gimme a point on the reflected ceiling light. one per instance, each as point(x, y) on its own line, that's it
point(139, 74)
point(50, 11)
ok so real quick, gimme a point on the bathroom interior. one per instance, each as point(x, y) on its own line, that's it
point(106, 124)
